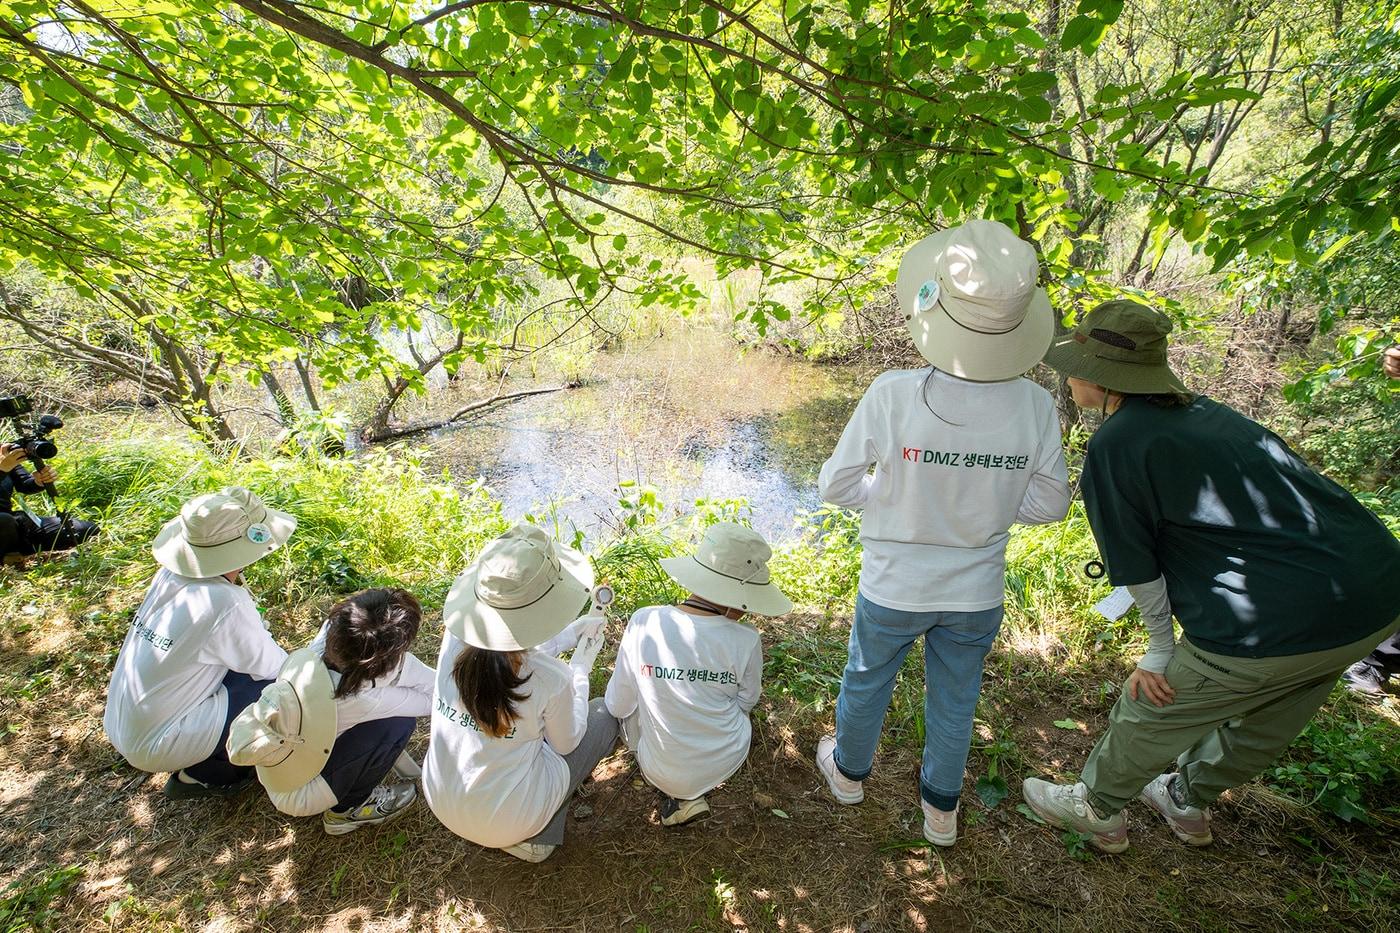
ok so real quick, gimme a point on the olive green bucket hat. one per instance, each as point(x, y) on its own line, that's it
point(1120, 345)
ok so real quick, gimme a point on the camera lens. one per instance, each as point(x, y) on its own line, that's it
point(42, 449)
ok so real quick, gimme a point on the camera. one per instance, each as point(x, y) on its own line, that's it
point(34, 438)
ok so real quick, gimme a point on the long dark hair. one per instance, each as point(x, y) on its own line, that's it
point(368, 636)
point(488, 683)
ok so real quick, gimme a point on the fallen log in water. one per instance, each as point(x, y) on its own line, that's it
point(392, 432)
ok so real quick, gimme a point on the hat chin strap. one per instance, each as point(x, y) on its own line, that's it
point(704, 605)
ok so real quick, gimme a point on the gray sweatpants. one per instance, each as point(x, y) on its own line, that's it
point(597, 743)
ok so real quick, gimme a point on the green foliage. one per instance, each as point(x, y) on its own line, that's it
point(369, 521)
point(821, 566)
point(25, 903)
point(1343, 763)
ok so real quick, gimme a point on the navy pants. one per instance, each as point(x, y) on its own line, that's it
point(1385, 660)
point(217, 770)
point(362, 756)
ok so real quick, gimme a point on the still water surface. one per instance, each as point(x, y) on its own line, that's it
point(689, 415)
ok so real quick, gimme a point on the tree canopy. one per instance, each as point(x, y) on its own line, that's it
point(270, 179)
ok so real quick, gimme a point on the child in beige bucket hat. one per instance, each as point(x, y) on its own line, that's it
point(198, 651)
point(960, 451)
point(328, 736)
point(687, 676)
point(513, 732)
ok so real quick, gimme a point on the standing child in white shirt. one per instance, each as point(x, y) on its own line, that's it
point(198, 651)
point(960, 452)
point(513, 733)
point(326, 751)
point(687, 675)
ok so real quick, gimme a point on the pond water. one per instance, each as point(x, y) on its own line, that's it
point(689, 415)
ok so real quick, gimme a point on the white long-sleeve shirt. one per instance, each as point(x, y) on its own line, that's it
point(683, 687)
point(166, 704)
point(497, 791)
point(946, 487)
point(405, 691)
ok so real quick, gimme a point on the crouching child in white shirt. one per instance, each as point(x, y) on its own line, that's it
point(687, 675)
point(513, 733)
point(198, 651)
point(329, 731)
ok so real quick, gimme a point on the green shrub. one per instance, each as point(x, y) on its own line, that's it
point(1345, 761)
point(24, 905)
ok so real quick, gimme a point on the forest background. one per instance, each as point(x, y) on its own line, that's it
point(295, 244)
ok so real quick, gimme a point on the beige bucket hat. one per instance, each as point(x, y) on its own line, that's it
point(730, 568)
point(971, 302)
point(289, 732)
point(521, 592)
point(220, 532)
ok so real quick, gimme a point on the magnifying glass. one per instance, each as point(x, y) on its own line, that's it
point(1095, 569)
point(603, 597)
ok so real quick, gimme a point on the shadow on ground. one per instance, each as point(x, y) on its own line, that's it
point(777, 854)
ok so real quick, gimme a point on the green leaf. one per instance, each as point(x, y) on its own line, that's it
point(1068, 724)
point(1082, 32)
point(991, 791)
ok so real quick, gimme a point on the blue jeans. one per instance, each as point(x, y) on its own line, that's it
point(955, 644)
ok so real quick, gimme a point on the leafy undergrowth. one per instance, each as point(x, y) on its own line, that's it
point(88, 842)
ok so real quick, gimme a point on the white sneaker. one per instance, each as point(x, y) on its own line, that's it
point(679, 812)
point(1190, 824)
point(530, 851)
point(940, 826)
point(1067, 806)
point(842, 788)
point(385, 802)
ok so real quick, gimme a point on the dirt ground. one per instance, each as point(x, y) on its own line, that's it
point(777, 854)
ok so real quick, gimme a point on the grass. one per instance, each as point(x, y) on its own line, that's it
point(87, 842)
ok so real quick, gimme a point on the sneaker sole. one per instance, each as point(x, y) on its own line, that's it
point(847, 799)
point(1111, 848)
point(1191, 839)
point(349, 826)
point(941, 841)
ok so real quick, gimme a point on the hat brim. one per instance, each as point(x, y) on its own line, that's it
point(173, 551)
point(306, 671)
point(473, 621)
point(763, 599)
point(956, 349)
point(1069, 357)
point(968, 354)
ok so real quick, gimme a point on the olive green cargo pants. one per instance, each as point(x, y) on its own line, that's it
point(1231, 719)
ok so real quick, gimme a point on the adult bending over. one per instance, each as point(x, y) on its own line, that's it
point(327, 733)
point(1279, 578)
point(513, 733)
point(960, 451)
point(198, 652)
point(687, 675)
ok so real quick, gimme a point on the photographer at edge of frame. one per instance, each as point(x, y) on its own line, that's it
point(22, 533)
point(1372, 673)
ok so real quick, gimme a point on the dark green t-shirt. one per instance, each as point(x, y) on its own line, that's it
point(1262, 555)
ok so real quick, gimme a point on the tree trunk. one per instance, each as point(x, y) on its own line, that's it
point(286, 411)
point(304, 374)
